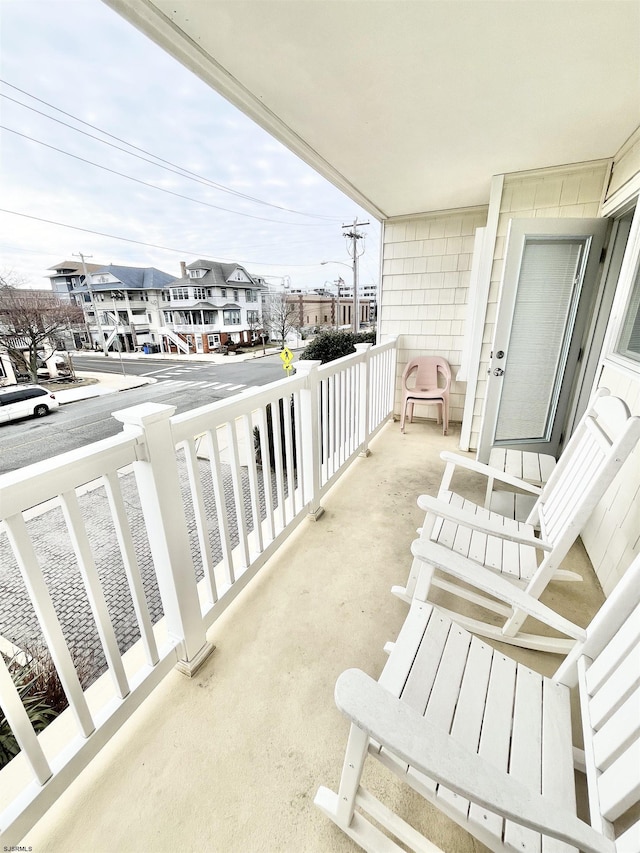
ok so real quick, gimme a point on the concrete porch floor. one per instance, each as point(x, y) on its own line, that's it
point(230, 760)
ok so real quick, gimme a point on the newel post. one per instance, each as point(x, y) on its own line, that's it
point(158, 483)
point(311, 436)
point(364, 397)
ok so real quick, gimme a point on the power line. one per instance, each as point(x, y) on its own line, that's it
point(187, 252)
point(162, 189)
point(170, 167)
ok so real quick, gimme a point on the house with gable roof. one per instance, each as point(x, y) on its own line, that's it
point(123, 305)
point(211, 305)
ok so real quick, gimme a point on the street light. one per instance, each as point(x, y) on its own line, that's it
point(355, 318)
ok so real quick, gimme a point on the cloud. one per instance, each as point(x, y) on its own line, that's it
point(83, 58)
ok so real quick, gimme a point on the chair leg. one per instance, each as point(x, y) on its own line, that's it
point(355, 755)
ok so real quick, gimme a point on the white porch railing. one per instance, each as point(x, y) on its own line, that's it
point(210, 517)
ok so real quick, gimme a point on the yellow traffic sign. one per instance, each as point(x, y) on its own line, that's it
point(287, 357)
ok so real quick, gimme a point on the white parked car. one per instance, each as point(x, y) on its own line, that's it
point(25, 401)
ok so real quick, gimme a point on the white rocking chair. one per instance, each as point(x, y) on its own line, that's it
point(597, 450)
point(489, 742)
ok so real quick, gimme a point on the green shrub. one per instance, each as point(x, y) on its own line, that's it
point(40, 690)
point(39, 712)
point(329, 346)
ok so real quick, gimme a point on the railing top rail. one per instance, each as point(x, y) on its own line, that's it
point(34, 484)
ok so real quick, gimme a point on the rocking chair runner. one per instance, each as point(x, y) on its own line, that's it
point(597, 450)
point(489, 742)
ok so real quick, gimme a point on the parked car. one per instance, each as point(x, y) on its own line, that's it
point(25, 401)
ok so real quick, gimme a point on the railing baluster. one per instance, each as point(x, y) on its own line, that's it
point(21, 727)
point(267, 480)
point(299, 491)
point(238, 497)
point(45, 611)
point(288, 455)
point(97, 602)
point(325, 431)
point(200, 513)
point(254, 489)
point(277, 460)
point(221, 507)
point(130, 562)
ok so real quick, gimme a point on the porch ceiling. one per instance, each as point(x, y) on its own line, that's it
point(413, 106)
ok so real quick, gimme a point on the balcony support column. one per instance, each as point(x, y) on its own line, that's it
point(363, 398)
point(311, 437)
point(158, 483)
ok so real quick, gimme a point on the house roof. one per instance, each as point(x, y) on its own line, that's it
point(413, 106)
point(73, 267)
point(131, 278)
point(219, 273)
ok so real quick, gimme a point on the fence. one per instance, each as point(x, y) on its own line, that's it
point(155, 532)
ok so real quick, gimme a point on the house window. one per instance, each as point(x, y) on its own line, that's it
point(168, 316)
point(236, 295)
point(223, 292)
point(209, 317)
point(164, 295)
point(199, 292)
point(178, 293)
point(195, 273)
point(231, 317)
point(628, 344)
point(213, 340)
point(253, 318)
point(251, 295)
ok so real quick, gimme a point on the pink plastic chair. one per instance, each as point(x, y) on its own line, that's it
point(426, 380)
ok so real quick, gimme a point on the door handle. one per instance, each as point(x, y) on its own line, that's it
point(498, 371)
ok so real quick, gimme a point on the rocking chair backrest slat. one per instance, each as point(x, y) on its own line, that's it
point(591, 460)
point(608, 667)
point(617, 650)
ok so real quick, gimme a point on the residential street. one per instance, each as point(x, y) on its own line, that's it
point(185, 384)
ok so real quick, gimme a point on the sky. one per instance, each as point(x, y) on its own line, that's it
point(80, 63)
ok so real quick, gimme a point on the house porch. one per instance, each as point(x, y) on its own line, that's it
point(230, 760)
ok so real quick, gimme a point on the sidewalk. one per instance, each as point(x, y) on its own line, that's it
point(211, 358)
point(107, 383)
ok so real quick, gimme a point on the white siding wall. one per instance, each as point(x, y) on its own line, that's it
point(551, 193)
point(425, 279)
point(426, 265)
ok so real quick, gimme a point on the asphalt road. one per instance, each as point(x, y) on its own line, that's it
point(185, 385)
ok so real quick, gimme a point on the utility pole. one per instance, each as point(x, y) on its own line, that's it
point(354, 236)
point(93, 302)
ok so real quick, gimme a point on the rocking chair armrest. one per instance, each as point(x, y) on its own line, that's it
point(407, 734)
point(487, 581)
point(484, 525)
point(489, 472)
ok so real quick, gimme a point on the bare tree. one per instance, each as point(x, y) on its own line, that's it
point(30, 321)
point(280, 315)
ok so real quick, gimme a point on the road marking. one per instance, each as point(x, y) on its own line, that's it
point(235, 387)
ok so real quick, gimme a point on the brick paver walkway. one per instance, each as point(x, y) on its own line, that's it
point(18, 622)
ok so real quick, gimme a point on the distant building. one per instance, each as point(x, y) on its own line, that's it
point(67, 275)
point(123, 305)
point(213, 305)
